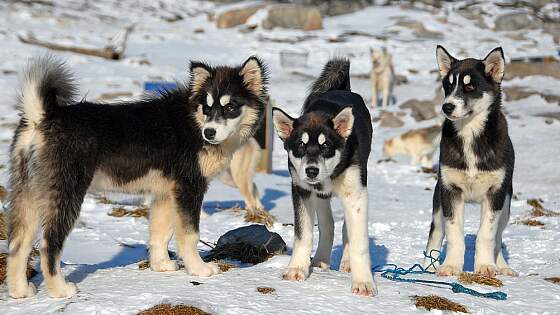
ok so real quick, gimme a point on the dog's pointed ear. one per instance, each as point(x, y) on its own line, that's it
point(494, 64)
point(254, 75)
point(444, 60)
point(283, 123)
point(343, 122)
point(200, 72)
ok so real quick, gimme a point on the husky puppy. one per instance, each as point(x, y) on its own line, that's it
point(420, 144)
point(240, 172)
point(382, 77)
point(328, 149)
point(168, 146)
point(476, 163)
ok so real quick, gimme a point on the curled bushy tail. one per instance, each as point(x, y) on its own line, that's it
point(47, 84)
point(335, 76)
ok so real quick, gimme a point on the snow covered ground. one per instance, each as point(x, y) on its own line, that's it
point(102, 252)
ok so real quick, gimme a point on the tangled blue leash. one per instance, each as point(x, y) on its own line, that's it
point(394, 273)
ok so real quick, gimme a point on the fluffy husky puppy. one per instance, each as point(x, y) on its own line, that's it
point(476, 163)
point(382, 77)
point(168, 146)
point(328, 149)
point(420, 144)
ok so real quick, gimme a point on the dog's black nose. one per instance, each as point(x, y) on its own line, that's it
point(312, 172)
point(448, 108)
point(209, 133)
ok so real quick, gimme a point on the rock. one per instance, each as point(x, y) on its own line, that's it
point(237, 16)
point(515, 22)
point(420, 110)
point(257, 236)
point(389, 120)
point(419, 29)
point(549, 117)
point(111, 96)
point(335, 7)
point(521, 69)
point(293, 16)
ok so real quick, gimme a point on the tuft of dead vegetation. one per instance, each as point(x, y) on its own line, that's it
point(259, 216)
point(243, 252)
point(168, 309)
point(225, 266)
point(122, 212)
point(3, 226)
point(532, 222)
point(539, 210)
point(3, 193)
point(470, 278)
point(555, 280)
point(3, 268)
point(266, 290)
point(144, 264)
point(431, 302)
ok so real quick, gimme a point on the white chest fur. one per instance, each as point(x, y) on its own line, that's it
point(475, 184)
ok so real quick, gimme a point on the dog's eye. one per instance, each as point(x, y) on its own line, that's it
point(229, 108)
point(469, 87)
point(324, 147)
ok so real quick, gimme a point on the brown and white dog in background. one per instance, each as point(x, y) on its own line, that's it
point(419, 144)
point(382, 77)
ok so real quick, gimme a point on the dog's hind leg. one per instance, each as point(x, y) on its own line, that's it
point(322, 258)
point(162, 216)
point(503, 267)
point(188, 202)
point(437, 232)
point(62, 208)
point(23, 223)
point(345, 260)
point(373, 90)
point(242, 168)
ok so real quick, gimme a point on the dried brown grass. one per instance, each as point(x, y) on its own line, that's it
point(555, 280)
point(539, 210)
point(137, 212)
point(3, 268)
point(259, 216)
point(225, 266)
point(266, 290)
point(431, 302)
point(168, 309)
point(470, 278)
point(3, 226)
point(532, 222)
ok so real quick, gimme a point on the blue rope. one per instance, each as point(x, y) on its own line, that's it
point(394, 273)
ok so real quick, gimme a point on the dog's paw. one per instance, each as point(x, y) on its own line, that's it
point(295, 274)
point(345, 266)
point(163, 265)
point(64, 290)
point(364, 288)
point(203, 270)
point(23, 291)
point(486, 270)
point(449, 270)
point(429, 266)
point(320, 264)
point(507, 271)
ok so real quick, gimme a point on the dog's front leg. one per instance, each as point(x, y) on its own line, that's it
point(162, 216)
point(491, 209)
point(322, 258)
point(355, 204)
point(304, 216)
point(189, 202)
point(453, 206)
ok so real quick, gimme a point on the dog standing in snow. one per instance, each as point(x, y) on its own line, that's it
point(168, 146)
point(475, 165)
point(382, 77)
point(328, 149)
point(420, 144)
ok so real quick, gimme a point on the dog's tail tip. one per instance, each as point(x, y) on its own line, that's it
point(47, 84)
point(335, 76)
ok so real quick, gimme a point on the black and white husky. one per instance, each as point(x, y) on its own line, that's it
point(168, 146)
point(475, 165)
point(328, 149)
